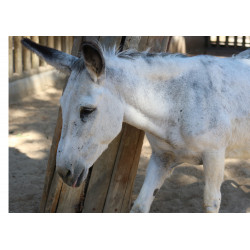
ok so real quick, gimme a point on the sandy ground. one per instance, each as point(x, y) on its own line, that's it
point(31, 127)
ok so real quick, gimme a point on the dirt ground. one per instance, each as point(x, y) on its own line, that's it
point(31, 128)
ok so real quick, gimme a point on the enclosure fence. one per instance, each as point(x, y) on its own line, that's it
point(23, 63)
point(229, 41)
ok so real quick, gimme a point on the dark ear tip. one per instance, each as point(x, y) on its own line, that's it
point(26, 41)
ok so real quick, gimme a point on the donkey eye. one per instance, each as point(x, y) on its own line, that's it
point(84, 112)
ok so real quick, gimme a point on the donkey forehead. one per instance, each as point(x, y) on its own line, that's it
point(81, 90)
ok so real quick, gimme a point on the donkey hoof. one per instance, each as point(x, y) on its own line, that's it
point(211, 209)
point(137, 209)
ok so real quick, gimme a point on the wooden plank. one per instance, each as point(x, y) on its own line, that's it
point(26, 58)
point(235, 41)
point(51, 41)
point(165, 43)
point(34, 57)
point(68, 44)
point(126, 204)
point(131, 42)
point(100, 179)
point(217, 41)
point(42, 41)
point(143, 44)
point(18, 55)
point(154, 42)
point(10, 56)
point(226, 44)
point(125, 161)
point(51, 166)
point(69, 199)
point(243, 41)
point(58, 44)
point(110, 41)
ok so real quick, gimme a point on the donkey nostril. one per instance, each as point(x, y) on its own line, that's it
point(64, 173)
point(68, 174)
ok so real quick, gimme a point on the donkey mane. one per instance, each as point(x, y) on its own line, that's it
point(134, 54)
point(130, 54)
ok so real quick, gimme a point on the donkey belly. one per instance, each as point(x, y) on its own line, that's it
point(239, 145)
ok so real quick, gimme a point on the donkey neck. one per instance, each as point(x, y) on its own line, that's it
point(142, 87)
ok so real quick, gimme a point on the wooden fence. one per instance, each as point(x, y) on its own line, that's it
point(229, 41)
point(109, 184)
point(23, 63)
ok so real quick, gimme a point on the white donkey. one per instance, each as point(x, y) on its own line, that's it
point(193, 109)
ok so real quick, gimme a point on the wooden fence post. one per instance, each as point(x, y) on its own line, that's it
point(26, 58)
point(10, 56)
point(51, 41)
point(18, 55)
point(34, 57)
point(43, 41)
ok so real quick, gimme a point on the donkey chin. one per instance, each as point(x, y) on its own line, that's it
point(72, 178)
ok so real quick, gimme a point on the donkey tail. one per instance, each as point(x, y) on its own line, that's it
point(244, 54)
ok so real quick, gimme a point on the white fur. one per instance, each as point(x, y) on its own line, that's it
point(194, 110)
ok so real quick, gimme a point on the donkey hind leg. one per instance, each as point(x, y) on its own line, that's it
point(213, 163)
point(157, 172)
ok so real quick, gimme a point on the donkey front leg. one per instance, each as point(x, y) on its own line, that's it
point(213, 163)
point(156, 173)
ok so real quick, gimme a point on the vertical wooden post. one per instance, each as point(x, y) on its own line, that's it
point(243, 41)
point(26, 58)
point(42, 41)
point(10, 56)
point(34, 57)
point(63, 43)
point(68, 44)
point(51, 41)
point(235, 41)
point(18, 55)
point(58, 44)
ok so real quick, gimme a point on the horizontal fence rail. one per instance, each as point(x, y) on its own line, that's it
point(23, 63)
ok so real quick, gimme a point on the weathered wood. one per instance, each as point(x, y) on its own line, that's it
point(131, 42)
point(126, 204)
point(69, 199)
point(18, 55)
point(110, 41)
point(26, 58)
point(58, 43)
point(34, 57)
point(10, 56)
point(48, 190)
point(51, 41)
point(143, 44)
point(68, 44)
point(42, 41)
point(100, 179)
point(127, 159)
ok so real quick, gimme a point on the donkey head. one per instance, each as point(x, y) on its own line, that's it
point(92, 113)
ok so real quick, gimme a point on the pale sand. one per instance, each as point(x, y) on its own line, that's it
point(31, 128)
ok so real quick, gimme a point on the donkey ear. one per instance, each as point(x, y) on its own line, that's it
point(58, 59)
point(94, 60)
